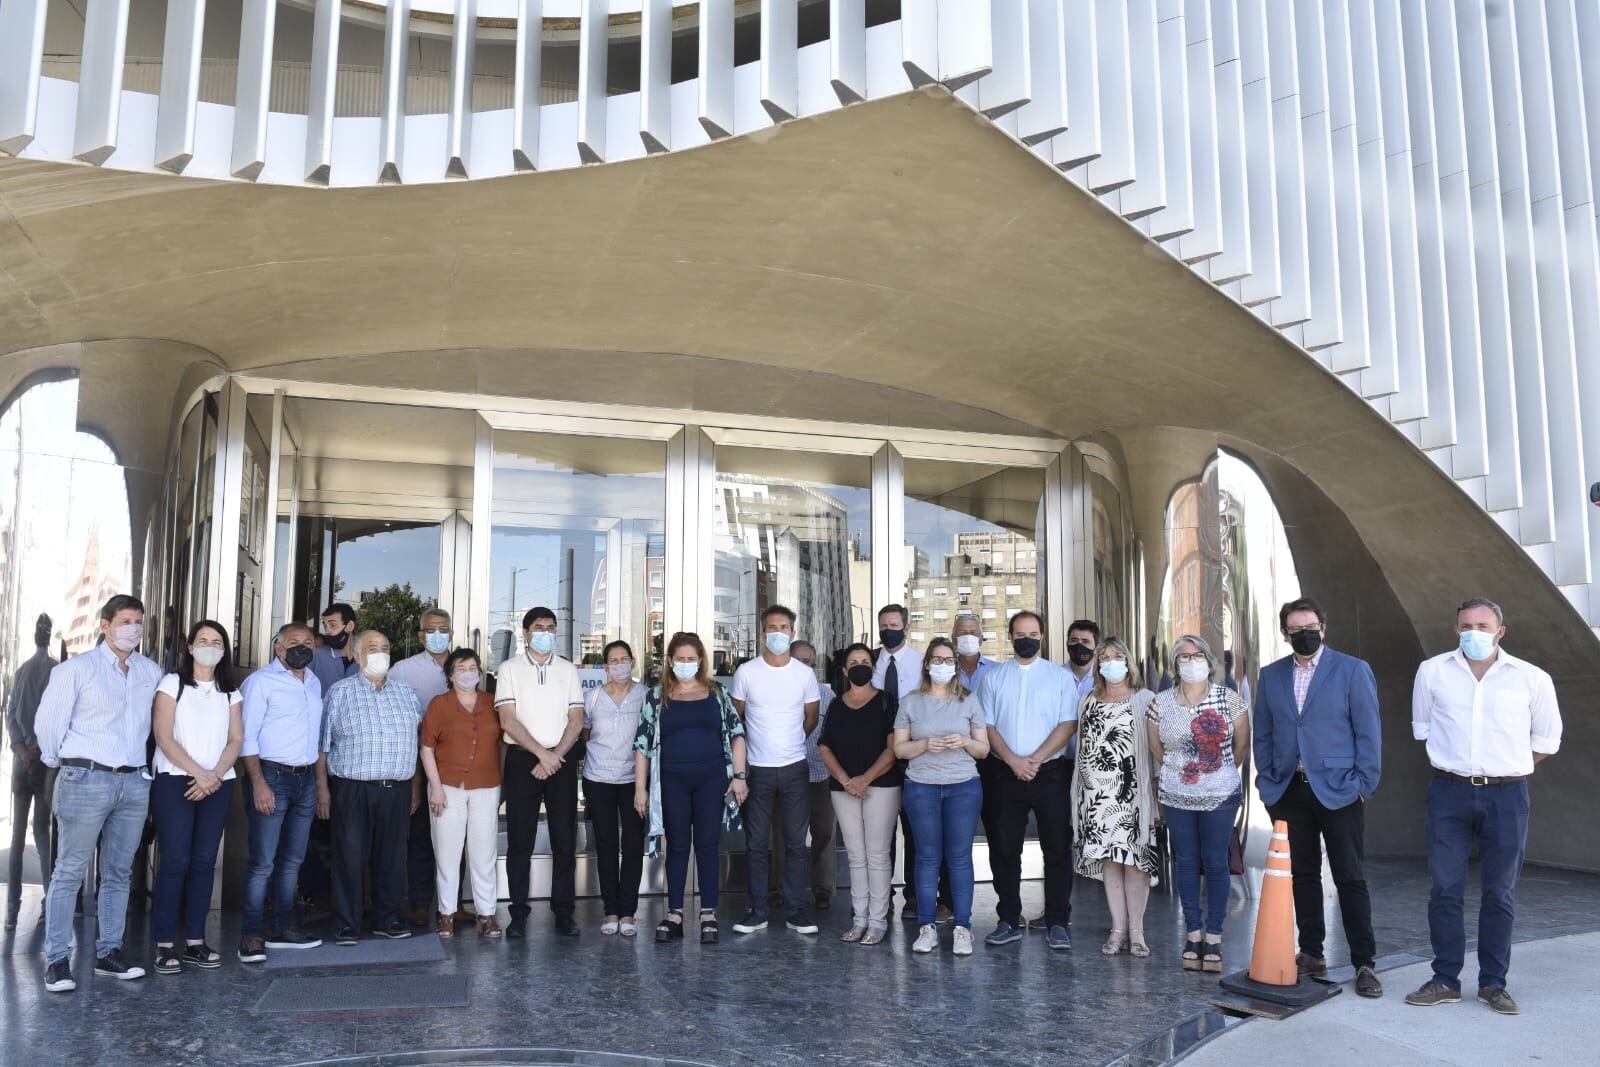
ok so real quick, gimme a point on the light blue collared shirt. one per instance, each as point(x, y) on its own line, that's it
point(370, 734)
point(424, 676)
point(93, 709)
point(1085, 687)
point(975, 679)
point(1025, 705)
point(330, 666)
point(282, 715)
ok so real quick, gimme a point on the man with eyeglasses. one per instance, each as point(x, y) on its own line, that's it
point(424, 673)
point(1318, 754)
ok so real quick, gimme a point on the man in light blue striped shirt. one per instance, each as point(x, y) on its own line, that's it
point(369, 762)
point(93, 724)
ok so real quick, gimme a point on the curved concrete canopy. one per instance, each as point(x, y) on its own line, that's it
point(904, 243)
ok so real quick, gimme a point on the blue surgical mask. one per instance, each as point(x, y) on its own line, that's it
point(685, 671)
point(542, 642)
point(778, 643)
point(1477, 645)
point(1114, 670)
point(941, 673)
point(438, 643)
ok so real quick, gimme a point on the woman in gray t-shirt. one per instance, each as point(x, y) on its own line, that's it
point(939, 729)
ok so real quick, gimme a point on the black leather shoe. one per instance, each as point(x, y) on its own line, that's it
point(516, 929)
point(346, 936)
point(1367, 984)
point(396, 929)
point(566, 927)
point(1310, 966)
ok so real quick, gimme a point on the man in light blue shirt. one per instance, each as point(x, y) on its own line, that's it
point(282, 707)
point(1031, 708)
point(93, 724)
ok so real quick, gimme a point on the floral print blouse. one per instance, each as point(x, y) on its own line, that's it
point(1197, 768)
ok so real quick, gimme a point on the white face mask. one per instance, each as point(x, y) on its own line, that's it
point(206, 655)
point(467, 680)
point(941, 673)
point(1114, 670)
point(127, 637)
point(377, 665)
point(1193, 671)
point(968, 644)
point(619, 672)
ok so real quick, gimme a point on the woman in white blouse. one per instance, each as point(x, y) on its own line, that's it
point(199, 729)
point(611, 722)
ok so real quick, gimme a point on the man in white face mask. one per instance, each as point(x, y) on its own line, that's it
point(93, 723)
point(368, 786)
point(424, 673)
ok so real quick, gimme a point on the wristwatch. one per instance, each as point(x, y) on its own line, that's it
point(739, 776)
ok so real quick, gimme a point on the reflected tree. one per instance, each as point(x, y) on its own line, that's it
point(395, 612)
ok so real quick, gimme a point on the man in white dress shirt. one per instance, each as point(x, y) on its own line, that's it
point(1487, 718)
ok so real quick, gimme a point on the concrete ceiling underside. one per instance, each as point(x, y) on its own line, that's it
point(903, 244)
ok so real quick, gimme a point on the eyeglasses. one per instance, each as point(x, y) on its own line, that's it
point(1192, 657)
point(1314, 628)
point(942, 661)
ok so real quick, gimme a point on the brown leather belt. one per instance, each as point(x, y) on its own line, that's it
point(1477, 779)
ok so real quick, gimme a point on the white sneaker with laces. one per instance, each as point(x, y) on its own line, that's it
point(963, 942)
point(927, 939)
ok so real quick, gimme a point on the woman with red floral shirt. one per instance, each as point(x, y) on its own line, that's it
point(1199, 733)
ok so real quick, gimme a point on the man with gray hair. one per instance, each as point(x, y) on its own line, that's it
point(1487, 719)
point(424, 673)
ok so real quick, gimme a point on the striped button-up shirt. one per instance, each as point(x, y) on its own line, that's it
point(1302, 679)
point(95, 709)
point(282, 715)
point(370, 734)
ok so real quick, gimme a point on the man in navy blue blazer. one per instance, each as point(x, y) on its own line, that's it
point(1318, 754)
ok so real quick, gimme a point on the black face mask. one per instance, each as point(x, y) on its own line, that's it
point(1025, 647)
point(891, 638)
point(1079, 653)
point(297, 657)
point(1306, 642)
point(336, 641)
point(860, 674)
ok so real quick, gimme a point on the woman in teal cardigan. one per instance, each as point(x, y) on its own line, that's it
point(689, 777)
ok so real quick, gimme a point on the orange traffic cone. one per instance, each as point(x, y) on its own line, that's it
point(1272, 957)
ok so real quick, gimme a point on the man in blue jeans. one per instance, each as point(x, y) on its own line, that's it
point(1487, 718)
point(93, 724)
point(282, 728)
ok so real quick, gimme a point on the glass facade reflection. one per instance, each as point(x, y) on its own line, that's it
point(973, 545)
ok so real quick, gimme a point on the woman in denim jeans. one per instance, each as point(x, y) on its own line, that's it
point(1199, 732)
point(940, 730)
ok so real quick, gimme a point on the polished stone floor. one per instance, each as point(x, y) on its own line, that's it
point(771, 998)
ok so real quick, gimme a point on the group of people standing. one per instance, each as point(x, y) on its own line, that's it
point(410, 762)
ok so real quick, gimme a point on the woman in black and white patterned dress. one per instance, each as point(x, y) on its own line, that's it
point(1113, 800)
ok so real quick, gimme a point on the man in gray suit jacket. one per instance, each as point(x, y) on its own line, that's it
point(1318, 755)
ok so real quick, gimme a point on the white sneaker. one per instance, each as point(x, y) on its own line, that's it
point(963, 942)
point(927, 939)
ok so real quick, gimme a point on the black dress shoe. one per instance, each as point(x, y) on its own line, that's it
point(346, 936)
point(396, 929)
point(566, 927)
point(1367, 984)
point(516, 929)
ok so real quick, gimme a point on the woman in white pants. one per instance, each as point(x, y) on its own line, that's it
point(460, 737)
point(865, 781)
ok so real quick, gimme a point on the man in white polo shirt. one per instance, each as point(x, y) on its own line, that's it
point(778, 697)
point(540, 702)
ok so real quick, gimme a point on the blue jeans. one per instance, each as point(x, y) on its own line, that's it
point(944, 818)
point(277, 847)
point(1496, 816)
point(1200, 844)
point(93, 807)
point(188, 834)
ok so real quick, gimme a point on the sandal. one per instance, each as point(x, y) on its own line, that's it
point(627, 928)
point(1211, 959)
point(489, 926)
point(872, 937)
point(445, 925)
point(1191, 953)
point(668, 929)
point(1136, 945)
point(608, 927)
point(854, 934)
point(202, 956)
point(1115, 943)
point(708, 927)
point(168, 959)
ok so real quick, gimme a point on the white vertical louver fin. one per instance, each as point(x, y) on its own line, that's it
point(21, 59)
point(1081, 142)
point(847, 49)
point(323, 90)
point(253, 87)
point(1172, 47)
point(1323, 326)
point(180, 84)
point(1148, 193)
point(594, 32)
point(1009, 86)
point(1115, 166)
point(1205, 240)
point(1381, 376)
point(463, 53)
point(966, 41)
point(392, 112)
point(525, 94)
point(655, 75)
point(1265, 281)
point(919, 40)
point(1354, 351)
point(1293, 305)
point(1232, 262)
point(105, 39)
point(780, 59)
point(716, 67)
point(1045, 114)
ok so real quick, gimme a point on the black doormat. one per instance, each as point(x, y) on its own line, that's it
point(365, 993)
